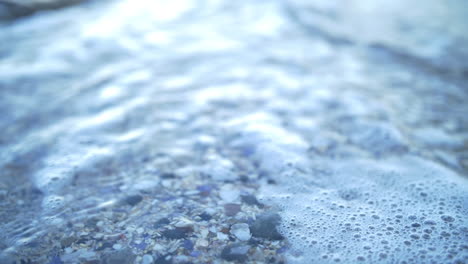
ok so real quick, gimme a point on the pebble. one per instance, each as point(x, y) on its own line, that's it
point(162, 222)
point(177, 233)
point(220, 169)
point(205, 217)
point(147, 259)
point(231, 209)
point(184, 222)
point(123, 256)
point(241, 231)
point(163, 260)
point(250, 199)
point(83, 254)
point(235, 252)
point(228, 194)
point(133, 199)
point(265, 226)
point(221, 236)
point(117, 246)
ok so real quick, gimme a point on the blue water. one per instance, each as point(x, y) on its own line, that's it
point(356, 111)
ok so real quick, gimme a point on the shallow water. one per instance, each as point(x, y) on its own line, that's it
point(348, 120)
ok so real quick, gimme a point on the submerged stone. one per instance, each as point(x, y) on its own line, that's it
point(241, 231)
point(177, 233)
point(235, 252)
point(250, 199)
point(133, 200)
point(162, 222)
point(122, 256)
point(265, 226)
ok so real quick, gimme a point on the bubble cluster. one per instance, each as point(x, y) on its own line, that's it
point(390, 213)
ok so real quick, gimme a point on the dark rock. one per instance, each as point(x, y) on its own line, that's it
point(105, 245)
point(82, 240)
point(205, 217)
point(168, 175)
point(163, 260)
point(133, 199)
point(235, 252)
point(140, 246)
point(231, 209)
point(91, 222)
point(188, 244)
point(123, 256)
point(12, 9)
point(251, 200)
point(67, 241)
point(265, 226)
point(177, 233)
point(162, 222)
point(271, 181)
point(56, 260)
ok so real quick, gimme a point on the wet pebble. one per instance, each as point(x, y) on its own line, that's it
point(241, 231)
point(147, 259)
point(123, 256)
point(265, 226)
point(187, 244)
point(177, 233)
point(229, 194)
point(162, 222)
point(205, 216)
point(250, 199)
point(235, 252)
point(163, 260)
point(231, 209)
point(133, 200)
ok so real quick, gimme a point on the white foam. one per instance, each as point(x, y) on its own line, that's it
point(403, 208)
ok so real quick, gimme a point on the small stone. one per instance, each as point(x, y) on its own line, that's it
point(205, 216)
point(123, 256)
point(91, 223)
point(56, 260)
point(163, 260)
point(250, 199)
point(162, 222)
point(235, 252)
point(187, 244)
point(133, 199)
point(241, 231)
point(168, 175)
point(265, 226)
point(205, 190)
point(158, 248)
point(177, 233)
point(221, 236)
point(229, 194)
point(202, 243)
point(67, 241)
point(231, 209)
point(117, 246)
point(184, 222)
point(147, 259)
point(220, 169)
